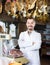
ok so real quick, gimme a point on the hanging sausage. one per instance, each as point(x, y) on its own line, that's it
point(0, 7)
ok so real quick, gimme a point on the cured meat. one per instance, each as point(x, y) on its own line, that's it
point(15, 53)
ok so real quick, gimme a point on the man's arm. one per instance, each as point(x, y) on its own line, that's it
point(22, 42)
point(36, 44)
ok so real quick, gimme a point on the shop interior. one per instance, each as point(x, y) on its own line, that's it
point(13, 15)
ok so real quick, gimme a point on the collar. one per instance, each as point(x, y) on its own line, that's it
point(30, 32)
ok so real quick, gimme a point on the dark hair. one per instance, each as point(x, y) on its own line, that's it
point(31, 18)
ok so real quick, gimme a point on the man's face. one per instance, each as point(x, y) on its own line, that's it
point(30, 24)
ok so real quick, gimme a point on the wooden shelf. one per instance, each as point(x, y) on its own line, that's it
point(45, 34)
point(45, 40)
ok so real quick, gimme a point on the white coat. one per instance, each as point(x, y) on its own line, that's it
point(30, 50)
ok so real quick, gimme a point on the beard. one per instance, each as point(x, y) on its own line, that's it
point(30, 28)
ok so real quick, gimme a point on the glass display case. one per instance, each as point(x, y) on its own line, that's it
point(3, 39)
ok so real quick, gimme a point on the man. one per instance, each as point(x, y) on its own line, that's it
point(30, 43)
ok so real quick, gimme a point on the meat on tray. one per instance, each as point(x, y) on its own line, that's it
point(15, 53)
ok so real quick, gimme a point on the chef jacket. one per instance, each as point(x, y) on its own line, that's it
point(26, 41)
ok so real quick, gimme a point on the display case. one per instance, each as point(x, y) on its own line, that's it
point(8, 38)
point(3, 39)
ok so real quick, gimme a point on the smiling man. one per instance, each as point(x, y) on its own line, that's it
point(30, 43)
